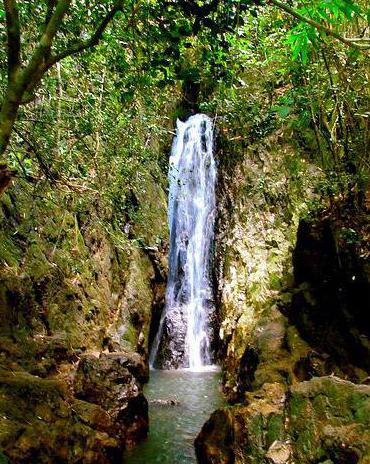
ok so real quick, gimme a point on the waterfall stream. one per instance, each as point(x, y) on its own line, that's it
point(184, 335)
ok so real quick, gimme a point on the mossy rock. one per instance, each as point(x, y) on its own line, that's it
point(41, 423)
point(324, 419)
point(330, 417)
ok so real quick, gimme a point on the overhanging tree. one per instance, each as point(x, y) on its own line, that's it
point(25, 75)
point(27, 65)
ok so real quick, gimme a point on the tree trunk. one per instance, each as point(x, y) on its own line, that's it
point(8, 115)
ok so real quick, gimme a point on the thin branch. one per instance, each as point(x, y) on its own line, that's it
point(357, 39)
point(14, 36)
point(318, 26)
point(31, 75)
point(89, 43)
point(36, 67)
point(27, 177)
point(44, 167)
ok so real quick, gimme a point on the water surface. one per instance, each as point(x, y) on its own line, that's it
point(174, 428)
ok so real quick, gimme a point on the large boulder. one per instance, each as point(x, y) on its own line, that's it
point(324, 419)
point(88, 420)
point(330, 419)
point(214, 443)
point(172, 347)
point(113, 381)
point(40, 422)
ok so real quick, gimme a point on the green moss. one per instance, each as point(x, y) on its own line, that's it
point(296, 406)
point(150, 218)
point(360, 406)
point(306, 443)
point(321, 411)
point(10, 254)
point(37, 266)
point(22, 392)
point(254, 444)
point(131, 336)
point(275, 429)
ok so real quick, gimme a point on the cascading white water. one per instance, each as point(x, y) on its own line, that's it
point(192, 210)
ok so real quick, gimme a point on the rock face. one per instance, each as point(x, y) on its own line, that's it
point(292, 299)
point(171, 350)
point(330, 306)
point(293, 409)
point(259, 207)
point(215, 441)
point(76, 304)
point(322, 419)
point(40, 422)
point(112, 381)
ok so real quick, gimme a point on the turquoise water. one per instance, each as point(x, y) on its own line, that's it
point(173, 428)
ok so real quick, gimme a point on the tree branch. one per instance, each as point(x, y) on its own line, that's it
point(31, 147)
point(357, 39)
point(37, 65)
point(50, 7)
point(92, 41)
point(318, 26)
point(14, 36)
point(31, 75)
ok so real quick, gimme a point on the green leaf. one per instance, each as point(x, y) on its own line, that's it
point(282, 111)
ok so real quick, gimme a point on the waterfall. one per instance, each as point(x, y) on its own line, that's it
point(183, 338)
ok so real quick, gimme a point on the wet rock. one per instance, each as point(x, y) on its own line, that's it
point(109, 382)
point(131, 361)
point(214, 442)
point(270, 357)
point(169, 402)
point(130, 330)
point(243, 431)
point(93, 415)
point(172, 350)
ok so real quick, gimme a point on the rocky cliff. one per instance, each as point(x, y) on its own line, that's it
point(76, 294)
point(292, 296)
point(81, 296)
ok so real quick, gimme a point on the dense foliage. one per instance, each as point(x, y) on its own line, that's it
point(87, 89)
